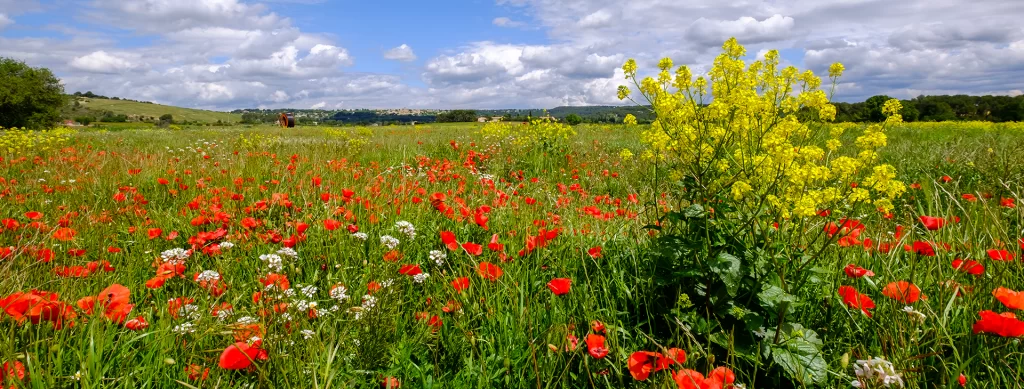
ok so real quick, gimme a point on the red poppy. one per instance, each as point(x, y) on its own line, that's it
point(331, 224)
point(560, 286)
point(1001, 324)
point(448, 238)
point(1008, 203)
point(460, 284)
point(278, 280)
point(390, 383)
point(473, 248)
point(136, 324)
point(196, 372)
point(854, 271)
point(12, 371)
point(494, 245)
point(597, 326)
point(154, 233)
point(241, 355)
point(932, 223)
point(410, 270)
point(595, 252)
point(64, 234)
point(969, 197)
point(595, 346)
point(856, 300)
point(689, 379)
point(642, 363)
point(114, 300)
point(1000, 255)
point(946, 179)
point(968, 266)
point(33, 215)
point(902, 291)
point(962, 380)
point(489, 271)
point(1010, 298)
point(926, 249)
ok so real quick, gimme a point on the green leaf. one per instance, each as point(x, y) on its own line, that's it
point(694, 211)
point(774, 299)
point(799, 354)
point(727, 266)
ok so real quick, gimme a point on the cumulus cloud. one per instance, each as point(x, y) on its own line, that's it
point(103, 62)
point(745, 29)
point(401, 53)
point(5, 20)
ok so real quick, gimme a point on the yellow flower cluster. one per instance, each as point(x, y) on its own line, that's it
point(21, 141)
point(538, 133)
point(760, 132)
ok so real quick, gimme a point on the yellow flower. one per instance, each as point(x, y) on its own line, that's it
point(630, 119)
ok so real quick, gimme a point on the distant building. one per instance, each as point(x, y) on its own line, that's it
point(492, 119)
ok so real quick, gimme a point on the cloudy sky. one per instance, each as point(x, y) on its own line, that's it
point(227, 54)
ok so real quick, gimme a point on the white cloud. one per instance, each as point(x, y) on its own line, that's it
point(319, 105)
point(506, 22)
point(103, 62)
point(746, 29)
point(401, 53)
point(5, 20)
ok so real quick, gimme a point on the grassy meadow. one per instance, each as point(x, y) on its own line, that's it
point(134, 108)
point(434, 256)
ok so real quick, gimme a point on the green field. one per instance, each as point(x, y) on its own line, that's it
point(134, 109)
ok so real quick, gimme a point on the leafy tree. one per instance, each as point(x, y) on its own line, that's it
point(85, 120)
point(573, 119)
point(167, 118)
point(873, 107)
point(457, 116)
point(29, 97)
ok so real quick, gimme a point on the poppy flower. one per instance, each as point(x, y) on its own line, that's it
point(595, 346)
point(1008, 203)
point(12, 371)
point(642, 363)
point(114, 300)
point(926, 249)
point(278, 280)
point(1010, 298)
point(1000, 255)
point(968, 266)
point(962, 380)
point(197, 373)
point(460, 284)
point(856, 300)
point(689, 379)
point(560, 286)
point(473, 248)
point(902, 291)
point(448, 238)
point(969, 197)
point(946, 179)
point(240, 355)
point(1002, 324)
point(331, 224)
point(932, 223)
point(390, 383)
point(33, 215)
point(136, 324)
point(494, 245)
point(410, 270)
point(489, 271)
point(597, 326)
point(854, 271)
point(154, 233)
point(64, 234)
point(594, 252)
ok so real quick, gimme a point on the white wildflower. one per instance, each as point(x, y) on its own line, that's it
point(876, 372)
point(208, 276)
point(389, 241)
point(245, 320)
point(288, 252)
point(360, 235)
point(914, 314)
point(307, 334)
point(273, 262)
point(183, 328)
point(420, 278)
point(226, 245)
point(339, 293)
point(308, 290)
point(438, 257)
point(406, 228)
point(175, 255)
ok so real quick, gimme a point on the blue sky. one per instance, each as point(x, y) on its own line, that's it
point(333, 54)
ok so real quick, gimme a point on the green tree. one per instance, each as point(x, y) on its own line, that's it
point(29, 97)
point(573, 119)
point(167, 118)
point(873, 107)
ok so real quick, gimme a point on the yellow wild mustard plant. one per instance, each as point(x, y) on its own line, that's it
point(538, 133)
point(760, 135)
point(23, 141)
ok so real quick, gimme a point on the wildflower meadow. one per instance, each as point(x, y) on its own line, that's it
point(742, 240)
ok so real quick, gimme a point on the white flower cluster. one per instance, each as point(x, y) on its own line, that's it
point(915, 315)
point(389, 241)
point(876, 372)
point(288, 252)
point(307, 334)
point(307, 290)
point(224, 314)
point(190, 311)
point(339, 293)
point(246, 320)
point(226, 245)
point(175, 255)
point(184, 328)
point(406, 228)
point(208, 276)
point(420, 278)
point(273, 262)
point(438, 257)
point(361, 236)
point(368, 303)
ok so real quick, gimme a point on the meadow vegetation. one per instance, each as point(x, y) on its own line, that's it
point(744, 241)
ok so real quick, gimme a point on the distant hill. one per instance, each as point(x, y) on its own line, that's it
point(143, 111)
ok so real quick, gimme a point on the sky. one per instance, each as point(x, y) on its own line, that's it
point(346, 54)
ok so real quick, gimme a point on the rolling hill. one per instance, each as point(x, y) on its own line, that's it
point(134, 109)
